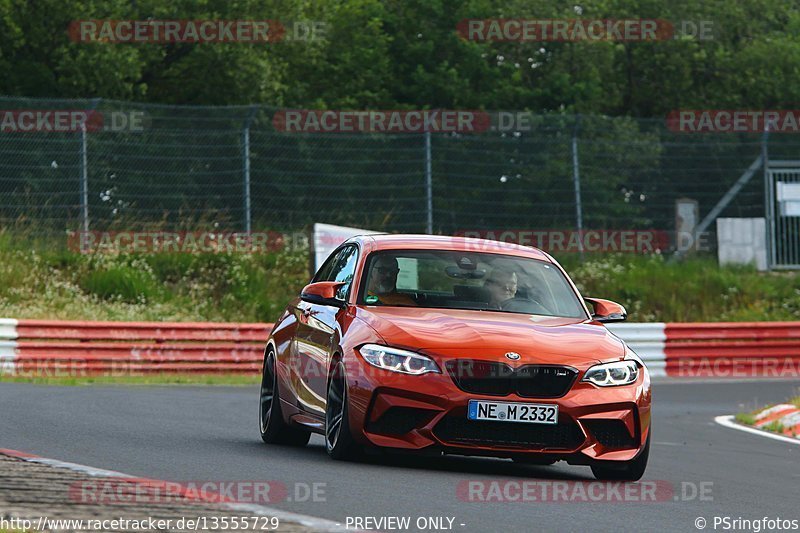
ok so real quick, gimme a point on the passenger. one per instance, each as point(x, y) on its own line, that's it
point(383, 282)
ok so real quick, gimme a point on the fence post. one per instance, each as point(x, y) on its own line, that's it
point(84, 185)
point(248, 223)
point(769, 200)
point(428, 182)
point(576, 178)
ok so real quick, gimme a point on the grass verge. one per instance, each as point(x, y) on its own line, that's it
point(746, 419)
point(656, 289)
point(42, 279)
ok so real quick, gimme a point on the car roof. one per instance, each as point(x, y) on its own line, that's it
point(445, 242)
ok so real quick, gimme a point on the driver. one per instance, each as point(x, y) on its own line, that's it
point(383, 282)
point(502, 286)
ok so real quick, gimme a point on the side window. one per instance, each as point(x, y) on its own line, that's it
point(344, 270)
point(323, 274)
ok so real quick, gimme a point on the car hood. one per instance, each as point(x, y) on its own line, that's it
point(489, 335)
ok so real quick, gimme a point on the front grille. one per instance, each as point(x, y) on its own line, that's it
point(611, 433)
point(481, 377)
point(537, 381)
point(400, 420)
point(457, 429)
point(500, 379)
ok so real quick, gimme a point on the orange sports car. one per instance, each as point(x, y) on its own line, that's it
point(459, 346)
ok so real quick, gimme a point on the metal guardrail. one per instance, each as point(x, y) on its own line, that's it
point(73, 348)
point(48, 347)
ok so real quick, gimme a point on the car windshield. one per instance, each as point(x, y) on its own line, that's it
point(466, 280)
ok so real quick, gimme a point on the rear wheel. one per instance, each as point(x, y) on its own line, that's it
point(339, 441)
point(632, 470)
point(274, 429)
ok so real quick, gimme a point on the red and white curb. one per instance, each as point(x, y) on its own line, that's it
point(729, 421)
point(317, 524)
point(785, 414)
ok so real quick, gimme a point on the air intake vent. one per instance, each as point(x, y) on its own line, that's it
point(611, 433)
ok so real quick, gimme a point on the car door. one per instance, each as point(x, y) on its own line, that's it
point(300, 310)
point(316, 333)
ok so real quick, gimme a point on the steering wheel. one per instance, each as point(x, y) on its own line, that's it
point(525, 305)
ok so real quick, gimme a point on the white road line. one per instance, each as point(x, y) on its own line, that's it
point(728, 422)
point(313, 522)
point(90, 470)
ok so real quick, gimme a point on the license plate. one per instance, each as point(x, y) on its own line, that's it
point(531, 413)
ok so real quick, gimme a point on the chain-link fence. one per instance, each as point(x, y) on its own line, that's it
point(184, 168)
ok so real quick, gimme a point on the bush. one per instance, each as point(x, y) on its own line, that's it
point(42, 281)
point(122, 283)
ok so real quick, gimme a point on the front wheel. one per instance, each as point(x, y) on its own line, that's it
point(274, 429)
point(632, 470)
point(339, 441)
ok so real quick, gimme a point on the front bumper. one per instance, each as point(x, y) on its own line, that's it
point(428, 413)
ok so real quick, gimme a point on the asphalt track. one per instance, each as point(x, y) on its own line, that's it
point(210, 433)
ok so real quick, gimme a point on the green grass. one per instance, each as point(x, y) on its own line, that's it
point(152, 379)
point(747, 419)
point(40, 279)
point(774, 427)
point(655, 289)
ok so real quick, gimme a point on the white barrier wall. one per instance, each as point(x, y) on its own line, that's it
point(742, 241)
point(8, 345)
point(328, 237)
point(8, 329)
point(647, 340)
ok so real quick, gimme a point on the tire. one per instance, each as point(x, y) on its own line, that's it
point(632, 470)
point(339, 441)
point(274, 429)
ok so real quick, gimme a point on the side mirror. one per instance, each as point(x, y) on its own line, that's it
point(607, 311)
point(323, 292)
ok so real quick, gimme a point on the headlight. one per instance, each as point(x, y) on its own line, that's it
point(398, 360)
point(613, 374)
